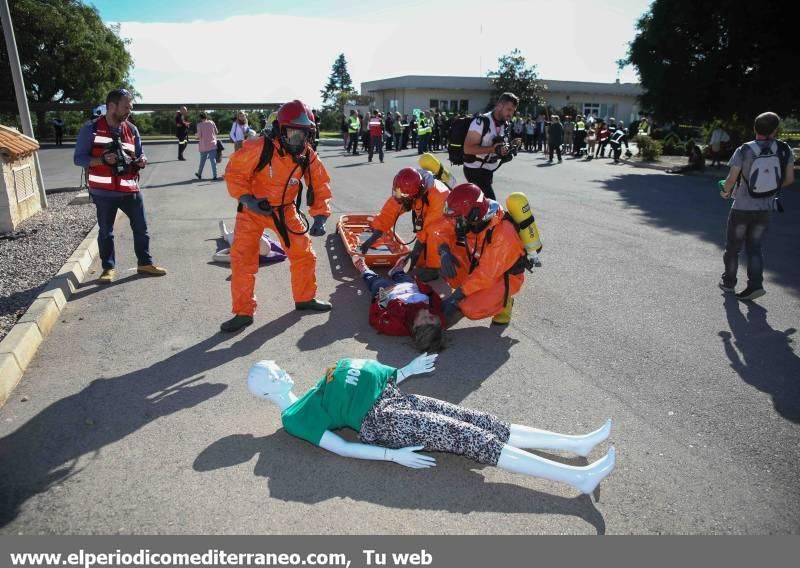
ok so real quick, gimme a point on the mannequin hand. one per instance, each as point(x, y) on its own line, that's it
point(450, 264)
point(535, 260)
point(418, 366)
point(318, 228)
point(450, 305)
point(368, 243)
point(409, 458)
point(260, 206)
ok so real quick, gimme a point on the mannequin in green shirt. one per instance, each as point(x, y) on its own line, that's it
point(394, 426)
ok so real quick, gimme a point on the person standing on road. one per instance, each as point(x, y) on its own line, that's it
point(239, 130)
point(758, 171)
point(58, 129)
point(111, 149)
point(181, 132)
point(207, 145)
point(556, 137)
point(484, 149)
point(375, 135)
point(266, 178)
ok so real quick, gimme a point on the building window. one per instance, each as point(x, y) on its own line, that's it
point(443, 106)
point(394, 104)
point(434, 104)
point(463, 106)
point(453, 105)
point(592, 109)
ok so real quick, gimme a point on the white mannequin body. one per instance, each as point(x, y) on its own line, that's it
point(224, 255)
point(268, 381)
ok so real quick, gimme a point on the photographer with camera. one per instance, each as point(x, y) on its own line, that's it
point(111, 149)
point(486, 145)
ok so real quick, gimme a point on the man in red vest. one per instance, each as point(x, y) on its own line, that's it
point(376, 135)
point(111, 149)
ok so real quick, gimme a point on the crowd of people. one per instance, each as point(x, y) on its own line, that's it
point(431, 131)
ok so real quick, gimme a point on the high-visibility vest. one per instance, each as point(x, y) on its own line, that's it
point(423, 127)
point(581, 125)
point(102, 176)
point(355, 124)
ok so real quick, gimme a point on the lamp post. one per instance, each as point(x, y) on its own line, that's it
point(19, 89)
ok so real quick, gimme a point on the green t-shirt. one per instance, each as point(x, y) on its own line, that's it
point(342, 398)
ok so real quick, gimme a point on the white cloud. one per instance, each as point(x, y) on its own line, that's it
point(274, 58)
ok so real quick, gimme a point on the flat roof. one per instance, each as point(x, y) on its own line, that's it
point(484, 84)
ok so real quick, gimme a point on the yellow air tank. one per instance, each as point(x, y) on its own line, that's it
point(428, 161)
point(520, 210)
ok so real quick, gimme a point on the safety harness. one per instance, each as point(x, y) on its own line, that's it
point(303, 162)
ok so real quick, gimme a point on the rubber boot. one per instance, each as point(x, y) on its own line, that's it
point(504, 317)
point(314, 305)
point(236, 323)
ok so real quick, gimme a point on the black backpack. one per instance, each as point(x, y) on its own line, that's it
point(457, 135)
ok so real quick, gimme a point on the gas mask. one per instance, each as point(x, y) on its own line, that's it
point(294, 139)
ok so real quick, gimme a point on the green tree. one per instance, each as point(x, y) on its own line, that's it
point(702, 60)
point(66, 52)
point(338, 82)
point(514, 75)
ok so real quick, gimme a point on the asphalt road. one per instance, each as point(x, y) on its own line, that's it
point(135, 417)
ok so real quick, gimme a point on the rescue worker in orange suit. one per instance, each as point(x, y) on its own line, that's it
point(414, 190)
point(482, 257)
point(266, 176)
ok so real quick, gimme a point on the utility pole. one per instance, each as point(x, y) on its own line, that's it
point(19, 89)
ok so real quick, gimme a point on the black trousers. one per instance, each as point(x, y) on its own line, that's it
point(482, 178)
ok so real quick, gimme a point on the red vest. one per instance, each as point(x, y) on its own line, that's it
point(375, 127)
point(102, 177)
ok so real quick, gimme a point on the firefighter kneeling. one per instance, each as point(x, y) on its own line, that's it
point(483, 255)
point(266, 176)
point(418, 191)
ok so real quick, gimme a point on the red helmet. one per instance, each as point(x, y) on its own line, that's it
point(295, 114)
point(466, 201)
point(407, 184)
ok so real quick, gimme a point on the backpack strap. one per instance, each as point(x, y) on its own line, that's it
point(265, 159)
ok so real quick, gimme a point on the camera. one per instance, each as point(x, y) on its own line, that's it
point(123, 165)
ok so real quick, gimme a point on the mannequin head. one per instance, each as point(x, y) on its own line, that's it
point(268, 381)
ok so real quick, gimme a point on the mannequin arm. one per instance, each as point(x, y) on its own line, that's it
point(404, 456)
point(418, 366)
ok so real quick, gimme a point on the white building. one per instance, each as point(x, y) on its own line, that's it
point(473, 94)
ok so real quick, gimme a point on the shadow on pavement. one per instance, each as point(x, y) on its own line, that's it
point(692, 205)
point(299, 472)
point(763, 356)
point(45, 450)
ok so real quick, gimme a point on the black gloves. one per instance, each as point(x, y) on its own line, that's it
point(318, 228)
point(260, 206)
point(368, 243)
point(450, 263)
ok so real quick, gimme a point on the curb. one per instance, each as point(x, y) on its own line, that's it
point(18, 348)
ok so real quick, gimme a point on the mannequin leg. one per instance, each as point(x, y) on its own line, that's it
point(226, 234)
point(584, 479)
point(535, 439)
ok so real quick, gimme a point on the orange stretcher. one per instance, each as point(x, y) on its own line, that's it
point(355, 229)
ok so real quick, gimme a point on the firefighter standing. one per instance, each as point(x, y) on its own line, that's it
point(266, 177)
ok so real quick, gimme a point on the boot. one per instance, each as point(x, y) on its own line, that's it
point(314, 305)
point(236, 323)
point(504, 317)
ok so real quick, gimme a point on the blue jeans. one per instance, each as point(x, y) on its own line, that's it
point(133, 206)
point(211, 156)
point(422, 145)
point(745, 228)
point(375, 282)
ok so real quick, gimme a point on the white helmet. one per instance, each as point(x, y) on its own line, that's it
point(267, 378)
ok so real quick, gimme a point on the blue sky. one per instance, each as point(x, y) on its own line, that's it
point(269, 51)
